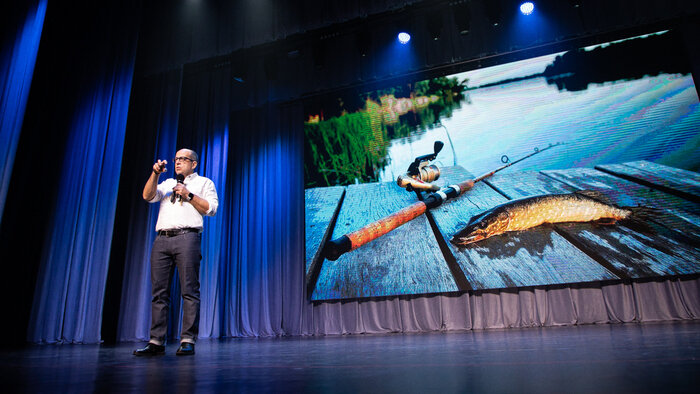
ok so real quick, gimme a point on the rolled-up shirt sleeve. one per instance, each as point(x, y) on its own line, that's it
point(209, 194)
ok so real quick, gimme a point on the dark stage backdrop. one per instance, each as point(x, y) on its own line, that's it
point(74, 207)
point(57, 224)
point(21, 32)
point(92, 103)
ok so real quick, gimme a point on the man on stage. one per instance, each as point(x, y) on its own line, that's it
point(183, 204)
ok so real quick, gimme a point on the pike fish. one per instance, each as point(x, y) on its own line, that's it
point(525, 213)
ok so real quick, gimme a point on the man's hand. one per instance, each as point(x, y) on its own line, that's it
point(149, 190)
point(159, 167)
point(182, 191)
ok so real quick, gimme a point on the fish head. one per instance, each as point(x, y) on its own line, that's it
point(482, 226)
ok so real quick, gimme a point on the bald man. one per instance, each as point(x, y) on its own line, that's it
point(183, 205)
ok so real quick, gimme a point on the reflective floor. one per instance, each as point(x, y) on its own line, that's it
point(658, 357)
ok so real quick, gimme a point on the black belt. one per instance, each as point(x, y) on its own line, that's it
point(178, 231)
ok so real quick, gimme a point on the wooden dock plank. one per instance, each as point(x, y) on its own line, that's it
point(321, 206)
point(676, 213)
point(685, 184)
point(533, 183)
point(407, 260)
point(529, 258)
point(635, 250)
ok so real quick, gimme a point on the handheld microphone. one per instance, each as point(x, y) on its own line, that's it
point(180, 179)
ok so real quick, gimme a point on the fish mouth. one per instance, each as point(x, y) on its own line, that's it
point(467, 239)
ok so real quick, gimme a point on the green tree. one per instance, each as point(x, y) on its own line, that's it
point(352, 147)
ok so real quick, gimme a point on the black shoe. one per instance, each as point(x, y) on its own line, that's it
point(185, 349)
point(151, 349)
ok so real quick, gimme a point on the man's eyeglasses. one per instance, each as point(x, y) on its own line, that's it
point(181, 158)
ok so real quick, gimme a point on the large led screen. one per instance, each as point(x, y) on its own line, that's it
point(612, 128)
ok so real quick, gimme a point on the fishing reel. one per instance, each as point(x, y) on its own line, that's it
point(420, 173)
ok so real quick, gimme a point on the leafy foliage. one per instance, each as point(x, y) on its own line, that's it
point(352, 147)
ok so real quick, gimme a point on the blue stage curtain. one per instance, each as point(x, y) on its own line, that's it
point(204, 127)
point(264, 279)
point(252, 269)
point(17, 61)
point(154, 112)
point(70, 286)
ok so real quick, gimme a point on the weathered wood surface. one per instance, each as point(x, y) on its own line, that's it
point(321, 206)
point(535, 257)
point(533, 183)
point(635, 249)
point(321, 210)
point(676, 213)
point(676, 181)
point(407, 260)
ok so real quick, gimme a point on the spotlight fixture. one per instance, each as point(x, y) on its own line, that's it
point(434, 24)
point(527, 7)
point(404, 37)
point(494, 12)
point(462, 17)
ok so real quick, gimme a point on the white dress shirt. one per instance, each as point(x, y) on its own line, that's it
point(183, 214)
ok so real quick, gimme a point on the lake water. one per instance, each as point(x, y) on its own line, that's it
point(654, 118)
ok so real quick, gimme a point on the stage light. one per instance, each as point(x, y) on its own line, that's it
point(527, 8)
point(494, 12)
point(434, 24)
point(404, 37)
point(462, 17)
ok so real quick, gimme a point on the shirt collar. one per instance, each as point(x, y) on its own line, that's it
point(191, 176)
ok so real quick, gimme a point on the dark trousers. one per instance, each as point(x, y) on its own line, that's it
point(184, 252)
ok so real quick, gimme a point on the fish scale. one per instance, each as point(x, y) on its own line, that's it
point(533, 211)
point(554, 210)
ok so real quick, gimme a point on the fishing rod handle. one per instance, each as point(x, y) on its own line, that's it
point(337, 247)
point(466, 185)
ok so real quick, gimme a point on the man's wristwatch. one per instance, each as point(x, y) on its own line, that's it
point(190, 196)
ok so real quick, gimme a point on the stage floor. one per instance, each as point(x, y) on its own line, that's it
point(652, 357)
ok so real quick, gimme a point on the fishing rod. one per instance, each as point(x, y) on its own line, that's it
point(505, 159)
point(351, 241)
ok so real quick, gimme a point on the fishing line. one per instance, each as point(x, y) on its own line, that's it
point(452, 146)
